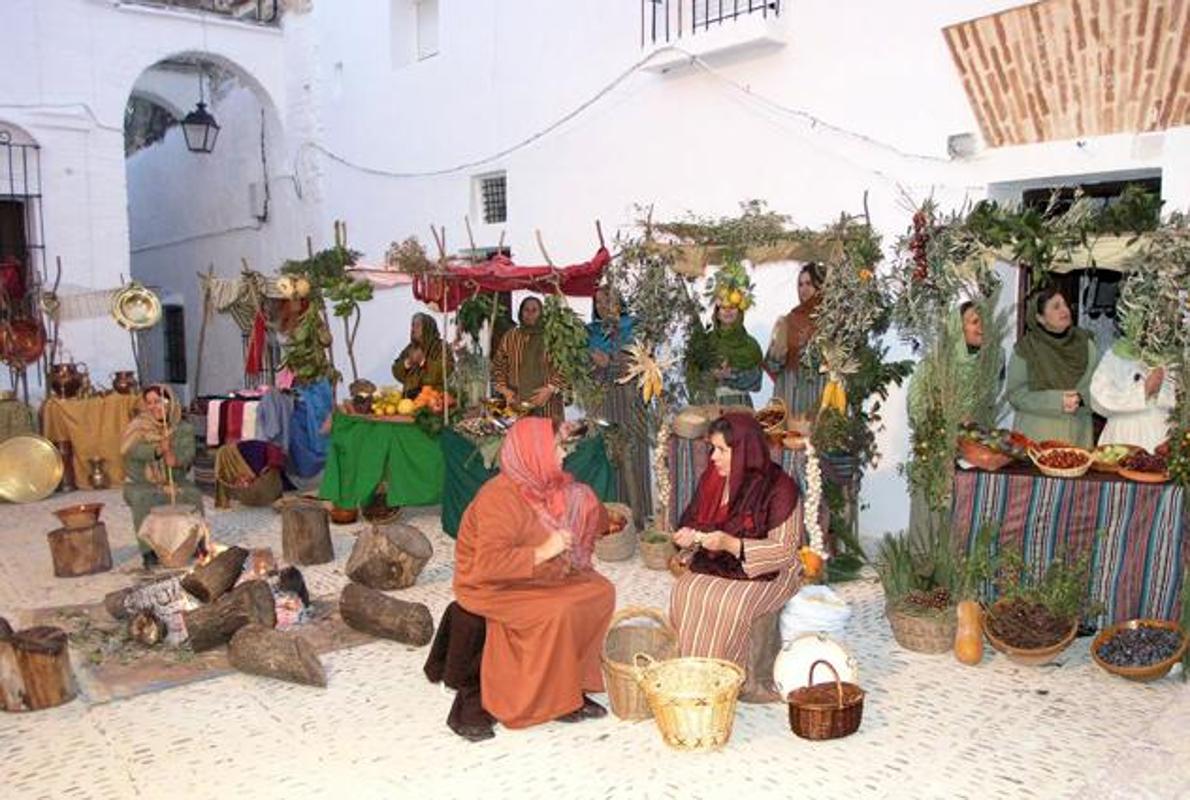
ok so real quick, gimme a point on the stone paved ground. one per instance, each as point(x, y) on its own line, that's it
point(931, 727)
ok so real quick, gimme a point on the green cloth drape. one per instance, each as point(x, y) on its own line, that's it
point(365, 451)
point(466, 473)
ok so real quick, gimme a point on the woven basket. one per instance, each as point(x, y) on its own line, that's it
point(822, 711)
point(933, 633)
point(617, 546)
point(692, 699)
point(1053, 472)
point(656, 555)
point(776, 429)
point(231, 470)
point(1029, 656)
point(622, 642)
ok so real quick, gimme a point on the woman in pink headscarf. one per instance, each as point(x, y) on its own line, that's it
point(523, 562)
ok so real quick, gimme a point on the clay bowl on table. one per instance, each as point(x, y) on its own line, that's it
point(1149, 672)
point(80, 515)
point(344, 516)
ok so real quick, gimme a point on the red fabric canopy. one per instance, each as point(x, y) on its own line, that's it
point(499, 274)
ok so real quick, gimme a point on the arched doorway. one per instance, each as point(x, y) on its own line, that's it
point(198, 212)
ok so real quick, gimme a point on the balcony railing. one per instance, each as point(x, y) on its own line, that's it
point(264, 12)
point(665, 21)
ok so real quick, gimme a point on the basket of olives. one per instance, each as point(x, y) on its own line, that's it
point(1140, 649)
point(1062, 462)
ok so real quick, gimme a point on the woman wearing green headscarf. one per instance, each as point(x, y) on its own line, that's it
point(737, 358)
point(1049, 376)
point(422, 362)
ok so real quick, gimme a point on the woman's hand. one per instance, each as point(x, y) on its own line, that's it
point(167, 452)
point(724, 372)
point(542, 395)
point(684, 537)
point(1070, 402)
point(720, 541)
point(1153, 381)
point(509, 394)
point(556, 543)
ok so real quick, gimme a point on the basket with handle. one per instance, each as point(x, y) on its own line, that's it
point(693, 700)
point(621, 643)
point(825, 711)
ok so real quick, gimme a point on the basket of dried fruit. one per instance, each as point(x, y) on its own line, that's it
point(1144, 467)
point(1062, 462)
point(772, 419)
point(1140, 649)
point(618, 543)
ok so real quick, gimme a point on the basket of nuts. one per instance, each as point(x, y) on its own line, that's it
point(1062, 462)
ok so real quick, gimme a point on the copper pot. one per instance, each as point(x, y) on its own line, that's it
point(22, 341)
point(67, 379)
point(124, 381)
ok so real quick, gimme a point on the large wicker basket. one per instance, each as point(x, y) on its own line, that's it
point(622, 642)
point(927, 633)
point(237, 479)
point(692, 699)
point(826, 711)
point(621, 545)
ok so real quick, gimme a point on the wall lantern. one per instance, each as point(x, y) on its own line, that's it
point(199, 126)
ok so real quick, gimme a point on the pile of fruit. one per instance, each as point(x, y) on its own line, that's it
point(1140, 647)
point(1064, 458)
point(1000, 440)
point(1111, 454)
point(1142, 461)
point(390, 403)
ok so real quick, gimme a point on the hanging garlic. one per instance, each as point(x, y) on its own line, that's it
point(814, 501)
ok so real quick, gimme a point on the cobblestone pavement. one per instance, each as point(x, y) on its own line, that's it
point(931, 727)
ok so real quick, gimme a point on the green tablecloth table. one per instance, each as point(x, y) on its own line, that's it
point(465, 473)
point(364, 451)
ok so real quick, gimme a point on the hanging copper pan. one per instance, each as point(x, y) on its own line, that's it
point(22, 341)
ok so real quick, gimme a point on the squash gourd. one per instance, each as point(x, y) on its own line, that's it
point(968, 637)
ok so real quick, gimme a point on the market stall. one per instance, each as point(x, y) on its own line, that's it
point(1137, 531)
point(364, 452)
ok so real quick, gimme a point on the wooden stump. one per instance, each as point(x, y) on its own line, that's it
point(305, 532)
point(212, 625)
point(80, 551)
point(764, 643)
point(12, 685)
point(258, 650)
point(378, 614)
point(44, 662)
point(211, 580)
point(389, 556)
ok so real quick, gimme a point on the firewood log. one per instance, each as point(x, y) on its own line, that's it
point(114, 602)
point(258, 650)
point(305, 532)
point(378, 614)
point(212, 625)
point(12, 685)
point(44, 661)
point(211, 580)
point(145, 627)
point(389, 556)
point(80, 551)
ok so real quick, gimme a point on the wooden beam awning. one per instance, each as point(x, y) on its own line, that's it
point(1064, 69)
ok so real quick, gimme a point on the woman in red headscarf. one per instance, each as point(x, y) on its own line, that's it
point(523, 562)
point(744, 522)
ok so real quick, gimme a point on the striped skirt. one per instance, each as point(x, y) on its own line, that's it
point(801, 390)
point(714, 615)
point(623, 406)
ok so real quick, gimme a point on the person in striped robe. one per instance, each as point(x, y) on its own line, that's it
point(744, 524)
point(797, 381)
point(521, 368)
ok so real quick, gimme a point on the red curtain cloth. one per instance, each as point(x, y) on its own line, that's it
point(499, 274)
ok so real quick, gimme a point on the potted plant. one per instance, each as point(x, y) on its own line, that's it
point(1036, 618)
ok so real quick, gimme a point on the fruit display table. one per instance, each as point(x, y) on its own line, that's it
point(94, 426)
point(1138, 562)
point(365, 451)
point(466, 472)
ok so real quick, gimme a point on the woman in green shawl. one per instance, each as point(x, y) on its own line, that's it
point(737, 358)
point(158, 447)
point(423, 361)
point(1049, 376)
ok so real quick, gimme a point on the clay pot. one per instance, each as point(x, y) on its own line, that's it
point(124, 381)
point(67, 379)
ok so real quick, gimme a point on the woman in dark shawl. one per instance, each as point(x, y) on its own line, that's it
point(423, 361)
point(796, 378)
point(1049, 376)
point(521, 367)
point(745, 523)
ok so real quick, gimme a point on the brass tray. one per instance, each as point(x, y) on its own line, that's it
point(136, 308)
point(30, 469)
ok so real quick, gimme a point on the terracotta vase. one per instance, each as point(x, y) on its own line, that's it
point(97, 476)
point(66, 379)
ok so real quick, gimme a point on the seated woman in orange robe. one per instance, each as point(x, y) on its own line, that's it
point(523, 562)
point(745, 522)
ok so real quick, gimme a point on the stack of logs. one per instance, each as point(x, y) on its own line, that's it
point(388, 556)
point(34, 668)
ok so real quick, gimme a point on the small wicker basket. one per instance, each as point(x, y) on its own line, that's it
point(621, 545)
point(656, 554)
point(1056, 472)
point(931, 633)
point(692, 699)
point(773, 418)
point(822, 711)
point(621, 643)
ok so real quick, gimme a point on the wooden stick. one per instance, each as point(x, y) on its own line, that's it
point(500, 244)
point(309, 247)
point(202, 328)
point(599, 231)
point(470, 237)
point(541, 246)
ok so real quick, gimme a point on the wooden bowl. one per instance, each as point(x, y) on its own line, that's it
point(344, 516)
point(1030, 657)
point(1144, 674)
point(82, 515)
point(1143, 477)
point(981, 456)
